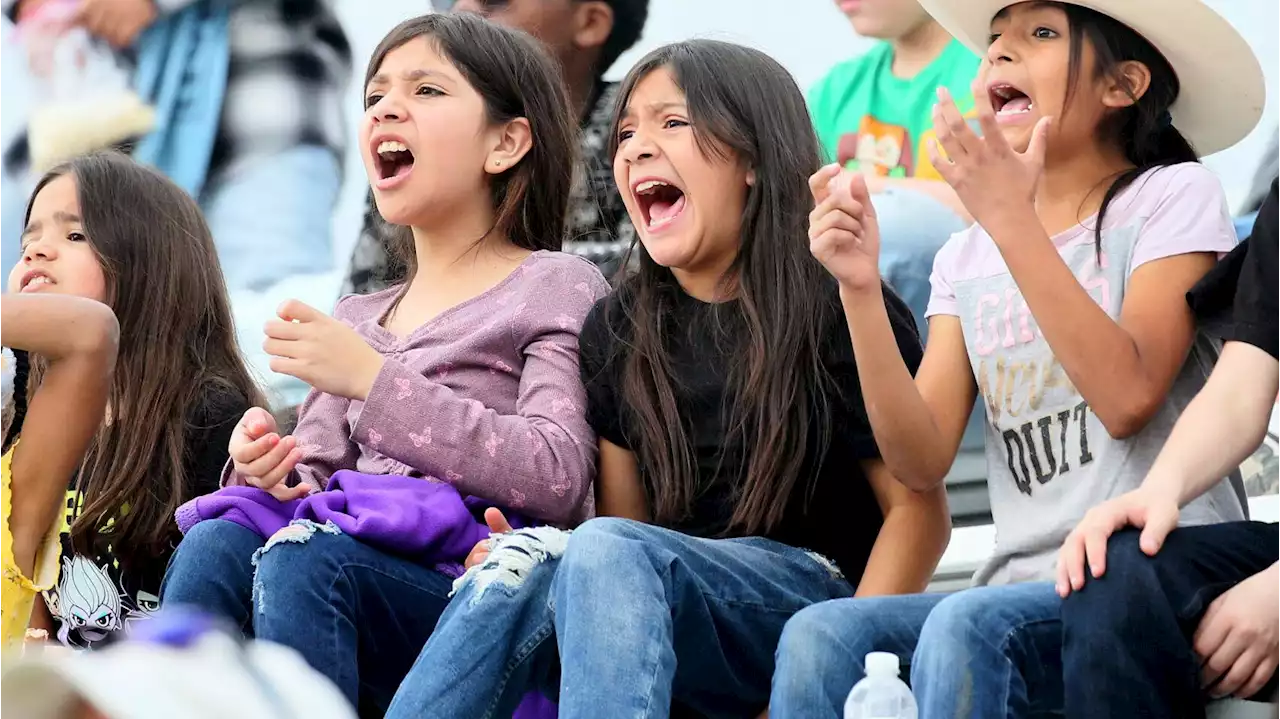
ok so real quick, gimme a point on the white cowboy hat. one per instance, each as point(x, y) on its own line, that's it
point(1222, 86)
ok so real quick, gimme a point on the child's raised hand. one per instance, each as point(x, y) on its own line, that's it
point(988, 175)
point(321, 351)
point(263, 457)
point(843, 233)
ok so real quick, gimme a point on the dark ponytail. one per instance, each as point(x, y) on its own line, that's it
point(1145, 129)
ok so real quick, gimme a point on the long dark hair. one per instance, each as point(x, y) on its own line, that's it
point(516, 78)
point(177, 346)
point(1144, 130)
point(16, 411)
point(744, 105)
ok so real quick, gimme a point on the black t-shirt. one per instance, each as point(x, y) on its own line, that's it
point(96, 597)
point(1236, 300)
point(832, 509)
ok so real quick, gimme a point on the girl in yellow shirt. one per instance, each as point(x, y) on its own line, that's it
point(75, 339)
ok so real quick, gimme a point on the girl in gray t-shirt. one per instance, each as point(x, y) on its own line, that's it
point(1062, 309)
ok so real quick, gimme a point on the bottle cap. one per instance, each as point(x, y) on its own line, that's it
point(882, 664)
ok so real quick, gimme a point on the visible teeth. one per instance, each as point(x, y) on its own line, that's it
point(391, 146)
point(40, 280)
point(1023, 111)
point(649, 185)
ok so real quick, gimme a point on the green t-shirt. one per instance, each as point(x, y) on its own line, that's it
point(867, 118)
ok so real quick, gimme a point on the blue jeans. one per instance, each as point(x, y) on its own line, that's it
point(624, 618)
point(358, 615)
point(913, 227)
point(984, 652)
point(1127, 636)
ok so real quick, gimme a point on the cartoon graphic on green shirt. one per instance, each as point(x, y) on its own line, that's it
point(868, 119)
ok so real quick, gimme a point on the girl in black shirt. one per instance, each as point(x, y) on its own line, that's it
point(736, 460)
point(109, 229)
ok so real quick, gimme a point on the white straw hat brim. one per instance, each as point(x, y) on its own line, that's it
point(1223, 89)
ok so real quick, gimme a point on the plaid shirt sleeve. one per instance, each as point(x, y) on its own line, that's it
point(290, 62)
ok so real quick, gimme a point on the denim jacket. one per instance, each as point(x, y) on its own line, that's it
point(181, 71)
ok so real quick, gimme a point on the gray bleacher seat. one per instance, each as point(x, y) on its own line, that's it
point(967, 489)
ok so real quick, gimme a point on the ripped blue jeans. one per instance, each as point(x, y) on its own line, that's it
point(358, 615)
point(617, 619)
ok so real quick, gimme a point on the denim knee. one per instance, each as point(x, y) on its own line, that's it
point(958, 623)
point(823, 637)
point(597, 540)
point(208, 548)
point(1115, 600)
point(600, 547)
point(302, 560)
point(211, 569)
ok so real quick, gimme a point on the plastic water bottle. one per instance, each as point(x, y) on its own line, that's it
point(881, 694)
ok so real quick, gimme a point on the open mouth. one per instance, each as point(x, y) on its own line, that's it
point(660, 201)
point(35, 281)
point(1009, 101)
point(394, 160)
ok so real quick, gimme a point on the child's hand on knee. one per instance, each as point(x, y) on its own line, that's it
point(498, 524)
point(263, 457)
point(1152, 512)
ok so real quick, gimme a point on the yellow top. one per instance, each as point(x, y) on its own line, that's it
point(17, 593)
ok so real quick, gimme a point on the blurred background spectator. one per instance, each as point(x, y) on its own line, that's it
point(874, 113)
point(267, 78)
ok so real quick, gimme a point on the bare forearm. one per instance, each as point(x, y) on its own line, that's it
point(58, 326)
point(906, 553)
point(1099, 356)
point(1221, 426)
point(910, 442)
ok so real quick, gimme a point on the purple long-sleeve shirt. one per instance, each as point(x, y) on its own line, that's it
point(485, 396)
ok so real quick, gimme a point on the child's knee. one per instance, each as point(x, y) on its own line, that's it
point(520, 559)
point(818, 636)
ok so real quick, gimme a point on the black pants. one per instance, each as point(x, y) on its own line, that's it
point(1127, 636)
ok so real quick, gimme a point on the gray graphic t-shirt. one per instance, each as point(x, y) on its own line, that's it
point(1049, 458)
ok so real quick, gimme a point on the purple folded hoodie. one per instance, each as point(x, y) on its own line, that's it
point(422, 520)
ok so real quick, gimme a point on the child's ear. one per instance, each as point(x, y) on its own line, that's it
point(1129, 83)
point(592, 25)
point(751, 178)
point(513, 142)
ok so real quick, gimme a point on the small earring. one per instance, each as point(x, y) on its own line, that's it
point(497, 163)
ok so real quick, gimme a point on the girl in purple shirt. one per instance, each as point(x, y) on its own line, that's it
point(465, 375)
